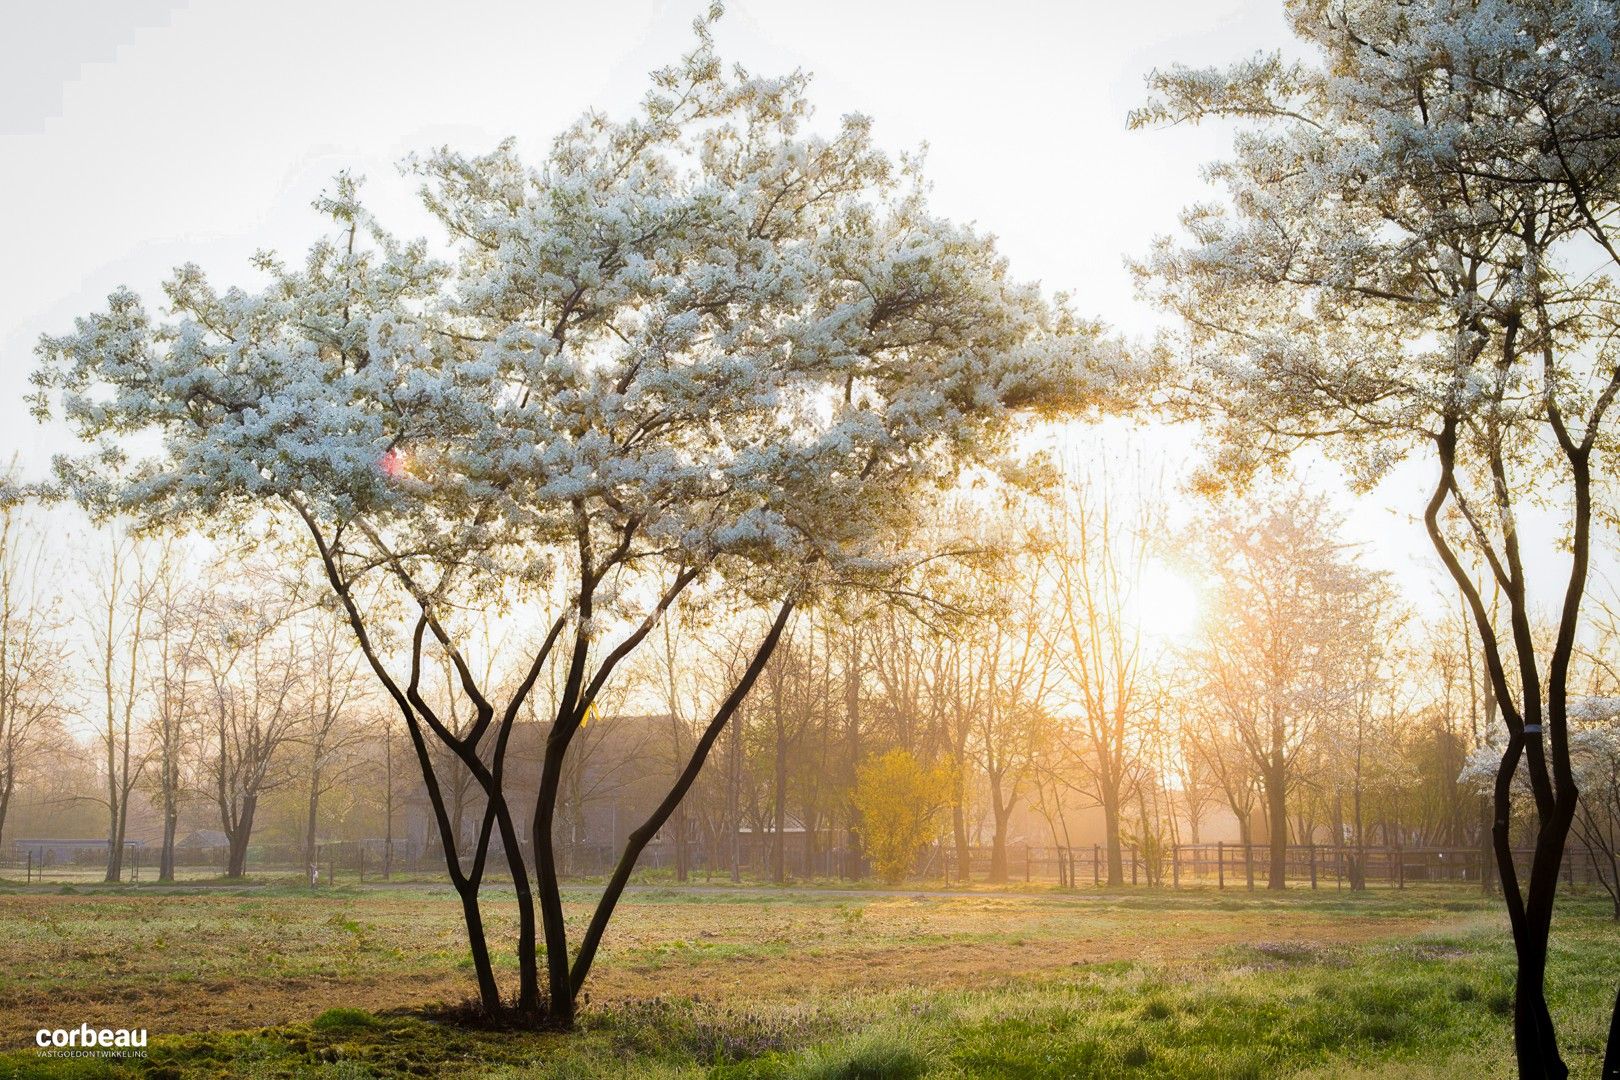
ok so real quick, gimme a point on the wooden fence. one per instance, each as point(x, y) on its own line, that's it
point(1223, 865)
point(1228, 865)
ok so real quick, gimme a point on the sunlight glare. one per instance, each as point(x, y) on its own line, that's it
point(1166, 604)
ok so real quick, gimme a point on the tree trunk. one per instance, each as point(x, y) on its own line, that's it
point(115, 845)
point(171, 824)
point(779, 812)
point(388, 802)
point(998, 840)
point(681, 854)
point(1530, 916)
point(5, 804)
point(1277, 828)
point(852, 718)
point(236, 867)
point(959, 826)
point(734, 801)
point(1246, 838)
point(811, 821)
point(639, 836)
point(311, 869)
point(1111, 835)
point(560, 994)
point(489, 993)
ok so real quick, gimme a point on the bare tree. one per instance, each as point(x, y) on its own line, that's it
point(124, 597)
point(252, 672)
point(1196, 779)
point(1095, 564)
point(1278, 648)
point(34, 663)
point(1214, 736)
point(331, 732)
point(1012, 725)
point(172, 728)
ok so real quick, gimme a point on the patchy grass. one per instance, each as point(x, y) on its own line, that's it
point(742, 984)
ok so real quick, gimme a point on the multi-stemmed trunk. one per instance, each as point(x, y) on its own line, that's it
point(1535, 1039)
point(1537, 723)
point(237, 834)
point(556, 1005)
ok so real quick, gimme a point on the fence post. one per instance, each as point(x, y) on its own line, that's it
point(1313, 866)
point(1175, 866)
point(1400, 867)
point(1220, 864)
point(331, 868)
point(1026, 864)
point(1096, 874)
point(30, 880)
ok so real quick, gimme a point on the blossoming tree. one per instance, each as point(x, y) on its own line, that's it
point(702, 351)
point(1417, 259)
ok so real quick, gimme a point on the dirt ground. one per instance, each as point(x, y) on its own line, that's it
point(216, 959)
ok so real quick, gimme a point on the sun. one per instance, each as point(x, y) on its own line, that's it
point(1165, 604)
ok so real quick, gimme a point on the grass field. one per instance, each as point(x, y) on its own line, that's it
point(272, 980)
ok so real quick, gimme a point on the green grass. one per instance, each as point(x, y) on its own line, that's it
point(1383, 985)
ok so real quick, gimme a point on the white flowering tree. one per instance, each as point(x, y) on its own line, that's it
point(1416, 258)
point(700, 351)
point(1595, 752)
point(1597, 821)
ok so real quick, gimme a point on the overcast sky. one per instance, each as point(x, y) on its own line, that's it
point(139, 134)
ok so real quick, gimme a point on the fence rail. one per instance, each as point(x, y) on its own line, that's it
point(1224, 865)
point(1236, 865)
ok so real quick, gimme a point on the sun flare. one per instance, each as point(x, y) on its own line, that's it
point(1166, 603)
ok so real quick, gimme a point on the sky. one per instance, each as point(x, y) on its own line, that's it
point(140, 134)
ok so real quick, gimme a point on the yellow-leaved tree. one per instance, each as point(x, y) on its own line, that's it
point(899, 800)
